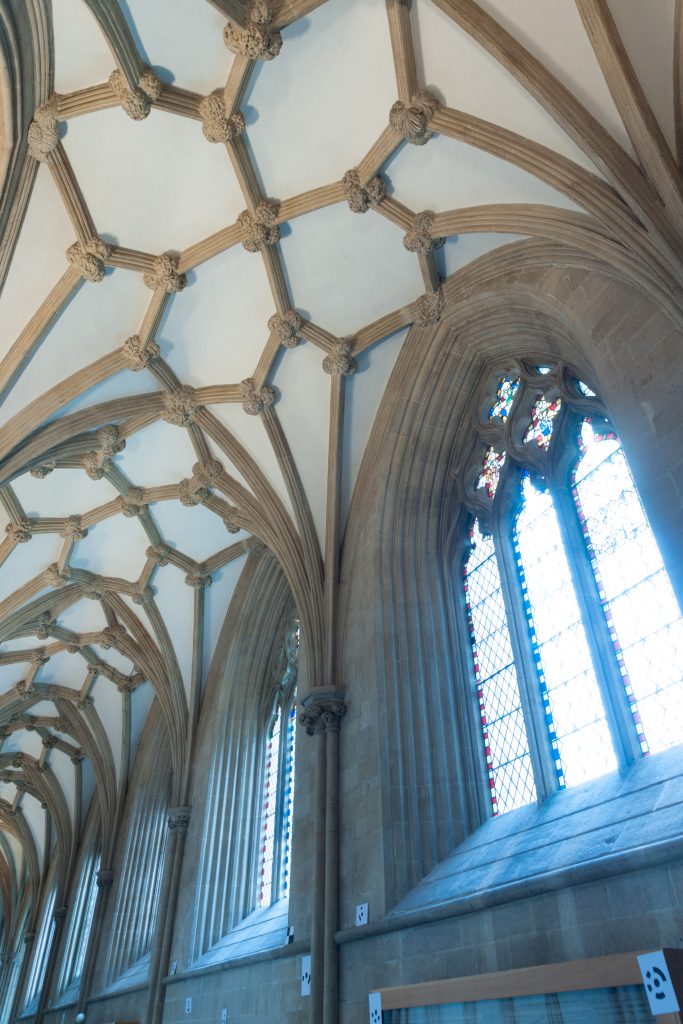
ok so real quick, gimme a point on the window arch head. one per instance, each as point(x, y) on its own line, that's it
point(574, 634)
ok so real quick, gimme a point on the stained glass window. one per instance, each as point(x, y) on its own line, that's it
point(585, 601)
point(541, 426)
point(506, 746)
point(491, 466)
point(278, 790)
point(505, 396)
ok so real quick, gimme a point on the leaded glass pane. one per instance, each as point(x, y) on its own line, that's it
point(542, 415)
point(505, 396)
point(269, 813)
point(502, 722)
point(491, 466)
point(643, 614)
point(288, 802)
point(585, 390)
point(575, 715)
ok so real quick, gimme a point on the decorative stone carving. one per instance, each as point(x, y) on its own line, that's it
point(40, 657)
point(340, 362)
point(230, 519)
point(126, 685)
point(218, 124)
point(109, 440)
point(361, 197)
point(133, 504)
point(419, 239)
point(43, 131)
point(40, 472)
point(49, 742)
point(198, 579)
point(72, 647)
point(73, 530)
point(45, 626)
point(179, 819)
point(189, 497)
point(112, 636)
point(56, 577)
point(159, 554)
point(136, 102)
point(142, 594)
point(84, 702)
point(105, 879)
point(96, 465)
point(260, 228)
point(253, 401)
point(180, 407)
point(429, 307)
point(412, 120)
point(24, 693)
point(89, 259)
point(322, 711)
point(286, 328)
point(208, 473)
point(137, 354)
point(20, 532)
point(165, 274)
point(95, 589)
point(255, 545)
point(258, 40)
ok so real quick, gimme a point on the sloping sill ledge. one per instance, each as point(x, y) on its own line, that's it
point(534, 885)
point(275, 953)
point(110, 993)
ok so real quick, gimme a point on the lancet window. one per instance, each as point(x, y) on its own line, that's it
point(575, 636)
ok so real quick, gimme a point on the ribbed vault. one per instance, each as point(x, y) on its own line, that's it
point(233, 213)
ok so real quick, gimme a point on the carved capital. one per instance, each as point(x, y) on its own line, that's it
point(253, 401)
point(340, 362)
point(429, 307)
point(84, 702)
point(25, 693)
point(179, 819)
point(43, 131)
point(412, 120)
point(198, 579)
point(208, 473)
point(419, 239)
point(56, 577)
point(258, 40)
point(73, 530)
point(45, 626)
point(190, 495)
point(96, 465)
point(133, 504)
point(137, 354)
point(165, 274)
point(286, 328)
point(218, 124)
point(89, 259)
point(136, 102)
point(159, 554)
point(180, 407)
point(20, 532)
point(112, 636)
point(260, 228)
point(142, 595)
point(95, 589)
point(361, 197)
point(322, 711)
point(105, 879)
point(231, 519)
point(40, 472)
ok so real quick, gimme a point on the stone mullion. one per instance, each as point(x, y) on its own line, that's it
point(609, 679)
point(178, 821)
point(542, 760)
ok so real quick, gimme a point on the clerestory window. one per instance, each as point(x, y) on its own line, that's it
point(575, 635)
point(278, 774)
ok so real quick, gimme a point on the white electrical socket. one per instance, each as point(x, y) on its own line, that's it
point(188, 1004)
point(224, 1015)
point(361, 914)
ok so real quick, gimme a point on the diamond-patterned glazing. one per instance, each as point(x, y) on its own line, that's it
point(502, 721)
point(642, 611)
point(575, 715)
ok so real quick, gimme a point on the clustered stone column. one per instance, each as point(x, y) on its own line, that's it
point(322, 711)
point(178, 824)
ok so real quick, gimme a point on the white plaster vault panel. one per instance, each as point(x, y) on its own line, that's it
point(82, 55)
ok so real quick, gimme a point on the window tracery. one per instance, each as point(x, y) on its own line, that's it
point(575, 635)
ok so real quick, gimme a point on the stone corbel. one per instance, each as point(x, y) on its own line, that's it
point(322, 710)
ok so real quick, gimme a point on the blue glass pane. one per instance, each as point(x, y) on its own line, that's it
point(575, 714)
point(645, 620)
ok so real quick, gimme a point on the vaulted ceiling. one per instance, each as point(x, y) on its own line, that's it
point(224, 248)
